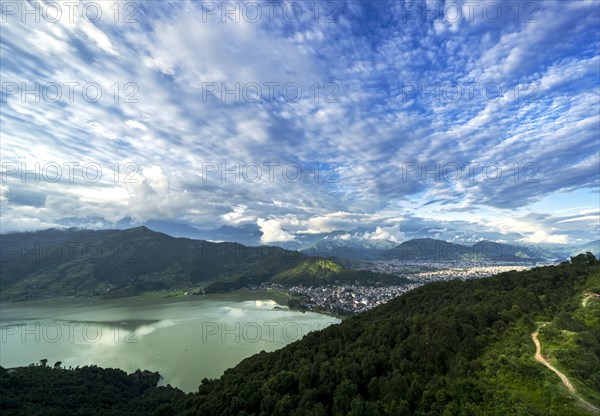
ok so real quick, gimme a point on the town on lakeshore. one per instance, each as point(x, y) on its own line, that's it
point(347, 300)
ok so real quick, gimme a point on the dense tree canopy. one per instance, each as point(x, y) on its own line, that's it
point(449, 348)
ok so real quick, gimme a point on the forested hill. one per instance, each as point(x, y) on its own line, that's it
point(448, 348)
point(114, 263)
point(87, 391)
point(428, 249)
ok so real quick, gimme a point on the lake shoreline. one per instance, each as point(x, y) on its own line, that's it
point(151, 295)
point(183, 338)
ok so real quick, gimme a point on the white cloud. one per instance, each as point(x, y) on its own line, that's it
point(171, 130)
point(3, 193)
point(582, 218)
point(153, 197)
point(136, 125)
point(541, 236)
point(392, 233)
point(272, 231)
point(237, 215)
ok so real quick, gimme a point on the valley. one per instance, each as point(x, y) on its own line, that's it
point(458, 346)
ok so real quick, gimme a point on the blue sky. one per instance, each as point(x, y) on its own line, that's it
point(472, 119)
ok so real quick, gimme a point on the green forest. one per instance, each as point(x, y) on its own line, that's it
point(122, 263)
point(448, 348)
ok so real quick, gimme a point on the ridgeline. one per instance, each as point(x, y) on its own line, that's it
point(121, 263)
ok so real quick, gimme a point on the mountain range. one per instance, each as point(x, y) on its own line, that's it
point(428, 249)
point(353, 244)
point(361, 243)
point(114, 263)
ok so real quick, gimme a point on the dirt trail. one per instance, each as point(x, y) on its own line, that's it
point(540, 358)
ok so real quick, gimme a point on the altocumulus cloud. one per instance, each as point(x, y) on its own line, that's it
point(428, 120)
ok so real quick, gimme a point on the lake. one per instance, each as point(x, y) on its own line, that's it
point(184, 339)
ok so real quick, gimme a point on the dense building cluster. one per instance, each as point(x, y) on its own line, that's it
point(440, 271)
point(346, 299)
point(351, 299)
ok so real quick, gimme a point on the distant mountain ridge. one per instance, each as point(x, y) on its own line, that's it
point(593, 247)
point(116, 263)
point(428, 249)
point(356, 244)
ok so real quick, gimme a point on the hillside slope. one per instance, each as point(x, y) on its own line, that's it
point(451, 348)
point(116, 263)
point(448, 348)
point(428, 249)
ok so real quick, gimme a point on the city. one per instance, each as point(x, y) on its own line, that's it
point(347, 300)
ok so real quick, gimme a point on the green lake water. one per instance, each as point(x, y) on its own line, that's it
point(184, 339)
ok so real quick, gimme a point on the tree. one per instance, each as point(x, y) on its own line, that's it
point(43, 362)
point(587, 259)
point(57, 364)
point(342, 397)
